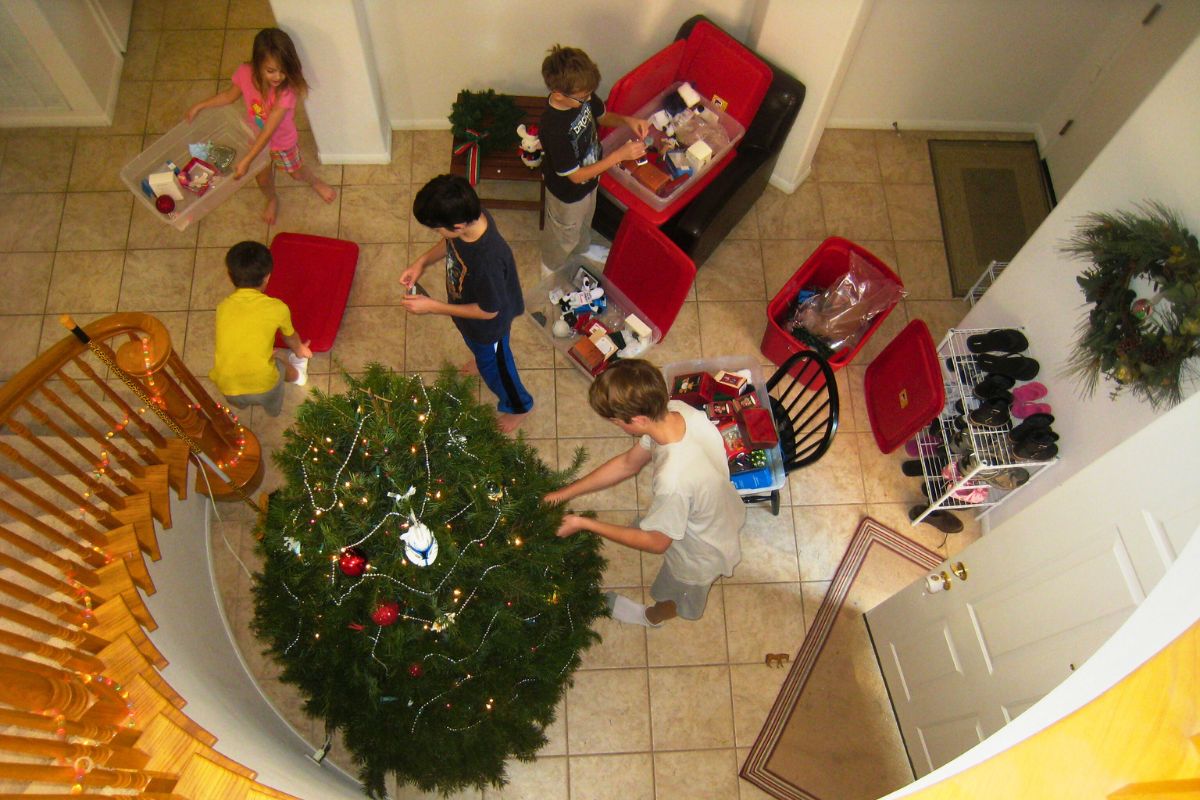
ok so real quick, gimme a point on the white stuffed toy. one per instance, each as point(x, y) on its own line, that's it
point(531, 146)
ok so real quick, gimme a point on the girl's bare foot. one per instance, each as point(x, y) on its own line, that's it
point(510, 422)
point(271, 211)
point(468, 368)
point(327, 192)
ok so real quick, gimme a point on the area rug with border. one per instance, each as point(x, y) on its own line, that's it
point(991, 195)
point(831, 734)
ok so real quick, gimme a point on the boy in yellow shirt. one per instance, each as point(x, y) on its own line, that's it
point(246, 367)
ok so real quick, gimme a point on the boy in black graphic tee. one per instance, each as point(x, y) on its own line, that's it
point(482, 287)
point(573, 160)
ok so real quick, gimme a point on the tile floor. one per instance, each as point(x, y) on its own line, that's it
point(662, 714)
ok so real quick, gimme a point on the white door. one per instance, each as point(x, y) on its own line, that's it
point(1042, 592)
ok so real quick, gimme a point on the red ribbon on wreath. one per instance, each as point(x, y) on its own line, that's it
point(471, 148)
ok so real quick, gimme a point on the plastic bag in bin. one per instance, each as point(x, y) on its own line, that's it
point(839, 316)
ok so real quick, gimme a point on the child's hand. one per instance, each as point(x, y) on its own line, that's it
point(419, 304)
point(572, 523)
point(640, 126)
point(631, 150)
point(241, 168)
point(555, 497)
point(304, 351)
point(191, 113)
point(411, 276)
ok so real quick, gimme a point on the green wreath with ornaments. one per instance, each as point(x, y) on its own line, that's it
point(488, 118)
point(1143, 330)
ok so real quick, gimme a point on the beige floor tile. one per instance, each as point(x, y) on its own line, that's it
point(250, 14)
point(883, 335)
point(98, 160)
point(301, 210)
point(431, 340)
point(236, 49)
point(627, 776)
point(685, 642)
point(556, 732)
point(836, 478)
point(330, 173)
point(782, 259)
point(768, 548)
point(939, 315)
point(147, 15)
point(882, 478)
point(198, 344)
point(733, 272)
point(370, 334)
point(37, 163)
point(85, 281)
point(21, 336)
point(189, 55)
point(26, 279)
point(763, 618)
point(430, 155)
point(95, 221)
point(210, 280)
point(30, 222)
point(170, 100)
point(747, 227)
point(541, 421)
point(157, 280)
point(624, 563)
point(754, 689)
point(690, 707)
point(732, 328)
point(575, 416)
point(191, 14)
point(822, 535)
point(903, 157)
point(846, 156)
point(140, 54)
point(410, 792)
point(682, 342)
point(855, 211)
point(608, 712)
point(543, 779)
point(623, 496)
point(621, 645)
point(375, 213)
point(922, 267)
point(377, 276)
point(398, 171)
point(913, 210)
point(237, 219)
point(133, 100)
point(746, 789)
point(791, 216)
point(148, 230)
point(711, 774)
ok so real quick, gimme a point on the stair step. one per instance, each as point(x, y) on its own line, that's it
point(175, 455)
point(148, 702)
point(1177, 789)
point(116, 580)
point(137, 512)
point(155, 484)
point(170, 745)
point(262, 792)
point(113, 619)
point(123, 544)
point(204, 779)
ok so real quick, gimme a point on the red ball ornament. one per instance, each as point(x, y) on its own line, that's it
point(164, 203)
point(353, 562)
point(386, 613)
point(415, 670)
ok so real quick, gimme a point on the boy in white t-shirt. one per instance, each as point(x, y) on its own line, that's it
point(696, 515)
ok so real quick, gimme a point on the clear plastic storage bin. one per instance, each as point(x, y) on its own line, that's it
point(748, 483)
point(620, 136)
point(224, 125)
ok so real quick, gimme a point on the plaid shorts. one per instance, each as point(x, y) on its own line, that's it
point(288, 159)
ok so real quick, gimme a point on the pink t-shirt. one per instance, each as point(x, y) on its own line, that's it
point(258, 109)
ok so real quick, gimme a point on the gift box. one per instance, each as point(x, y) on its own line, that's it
point(720, 409)
point(587, 354)
point(730, 383)
point(744, 402)
point(697, 389)
point(759, 427)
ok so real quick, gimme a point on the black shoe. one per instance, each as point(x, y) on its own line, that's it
point(1032, 424)
point(993, 385)
point(992, 414)
point(1001, 340)
point(944, 521)
point(1037, 446)
point(1017, 367)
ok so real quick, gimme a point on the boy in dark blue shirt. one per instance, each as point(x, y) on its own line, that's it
point(482, 286)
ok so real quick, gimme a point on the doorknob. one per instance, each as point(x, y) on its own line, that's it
point(960, 569)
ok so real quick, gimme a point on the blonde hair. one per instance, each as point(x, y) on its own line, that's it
point(629, 388)
point(568, 69)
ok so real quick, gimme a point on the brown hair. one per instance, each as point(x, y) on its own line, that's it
point(629, 388)
point(568, 69)
point(274, 43)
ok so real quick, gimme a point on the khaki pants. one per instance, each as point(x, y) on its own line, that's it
point(568, 230)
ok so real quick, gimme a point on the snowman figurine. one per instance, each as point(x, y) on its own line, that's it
point(531, 146)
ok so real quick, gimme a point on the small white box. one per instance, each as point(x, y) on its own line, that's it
point(698, 155)
point(640, 329)
point(689, 95)
point(163, 183)
point(660, 119)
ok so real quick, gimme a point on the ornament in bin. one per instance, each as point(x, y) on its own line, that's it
point(352, 562)
point(531, 146)
point(697, 389)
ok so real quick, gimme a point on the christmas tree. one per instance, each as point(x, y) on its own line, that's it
point(413, 587)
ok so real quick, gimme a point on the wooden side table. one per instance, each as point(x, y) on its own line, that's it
point(506, 165)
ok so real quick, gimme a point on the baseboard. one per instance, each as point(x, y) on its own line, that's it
point(788, 186)
point(384, 157)
point(436, 124)
point(1032, 129)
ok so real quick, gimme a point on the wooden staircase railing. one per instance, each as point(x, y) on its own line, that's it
point(86, 466)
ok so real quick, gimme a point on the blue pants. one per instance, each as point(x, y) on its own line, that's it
point(499, 372)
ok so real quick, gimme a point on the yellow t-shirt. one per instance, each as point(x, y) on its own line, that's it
point(243, 360)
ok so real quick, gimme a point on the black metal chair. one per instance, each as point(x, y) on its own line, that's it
point(804, 402)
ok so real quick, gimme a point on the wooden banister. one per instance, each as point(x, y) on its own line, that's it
point(66, 727)
point(65, 612)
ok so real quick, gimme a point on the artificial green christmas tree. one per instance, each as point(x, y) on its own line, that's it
point(413, 587)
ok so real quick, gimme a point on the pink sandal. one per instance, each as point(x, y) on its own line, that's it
point(1029, 392)
point(1023, 410)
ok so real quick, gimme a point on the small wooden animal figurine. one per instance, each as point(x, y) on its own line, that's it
point(777, 660)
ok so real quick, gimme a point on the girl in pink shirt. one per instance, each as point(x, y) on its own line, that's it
point(269, 85)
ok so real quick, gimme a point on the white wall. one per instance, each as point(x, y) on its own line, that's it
point(1153, 156)
point(428, 51)
point(966, 64)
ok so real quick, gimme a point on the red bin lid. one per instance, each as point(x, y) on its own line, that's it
point(904, 388)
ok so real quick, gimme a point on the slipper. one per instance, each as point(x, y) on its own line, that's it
point(1007, 479)
point(1019, 367)
point(1027, 393)
point(944, 521)
point(1003, 340)
point(1022, 410)
point(921, 443)
point(994, 394)
point(1039, 446)
point(1032, 424)
point(991, 414)
point(994, 384)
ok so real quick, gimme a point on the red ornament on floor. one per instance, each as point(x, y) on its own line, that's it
point(386, 613)
point(353, 562)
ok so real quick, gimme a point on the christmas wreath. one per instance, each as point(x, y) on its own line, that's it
point(482, 122)
point(1144, 288)
point(412, 586)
